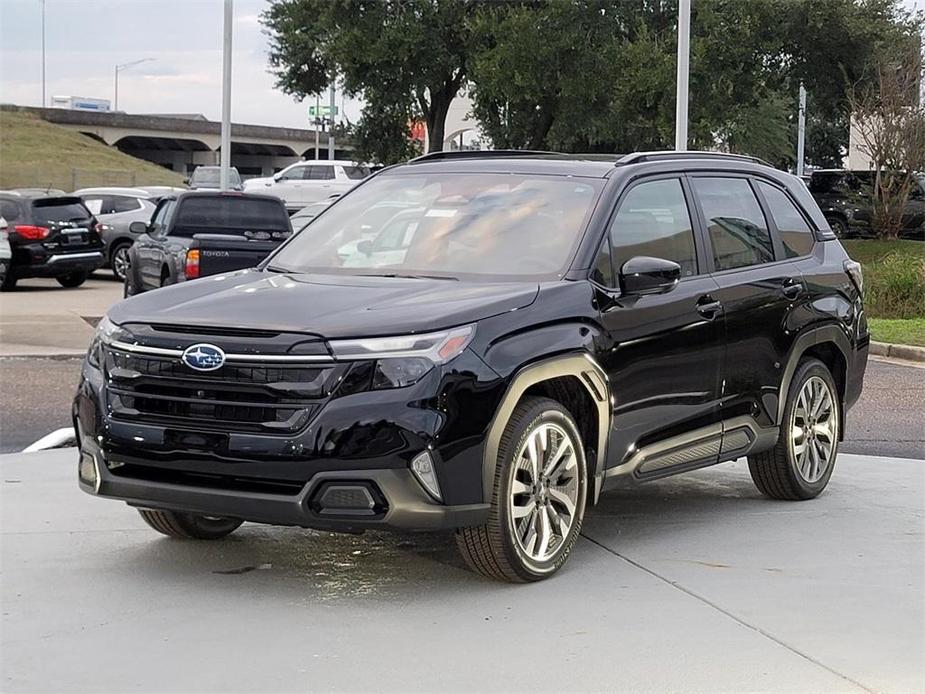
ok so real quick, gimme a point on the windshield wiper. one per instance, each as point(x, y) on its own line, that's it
point(276, 268)
point(409, 276)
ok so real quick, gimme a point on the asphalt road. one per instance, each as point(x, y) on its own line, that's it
point(693, 584)
point(889, 419)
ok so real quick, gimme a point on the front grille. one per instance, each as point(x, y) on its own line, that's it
point(236, 397)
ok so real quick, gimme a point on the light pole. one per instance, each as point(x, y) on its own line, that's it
point(801, 131)
point(225, 161)
point(44, 97)
point(120, 68)
point(684, 60)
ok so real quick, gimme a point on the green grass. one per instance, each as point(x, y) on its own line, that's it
point(910, 331)
point(894, 277)
point(35, 153)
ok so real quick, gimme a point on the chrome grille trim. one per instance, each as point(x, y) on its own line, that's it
point(276, 358)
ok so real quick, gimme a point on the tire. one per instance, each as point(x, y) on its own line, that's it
point(72, 279)
point(118, 259)
point(189, 526)
point(510, 546)
point(838, 225)
point(783, 472)
point(7, 280)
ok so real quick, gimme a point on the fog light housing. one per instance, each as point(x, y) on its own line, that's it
point(88, 473)
point(423, 468)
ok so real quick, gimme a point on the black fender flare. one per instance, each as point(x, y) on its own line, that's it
point(589, 373)
point(806, 340)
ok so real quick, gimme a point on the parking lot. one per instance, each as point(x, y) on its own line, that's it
point(695, 582)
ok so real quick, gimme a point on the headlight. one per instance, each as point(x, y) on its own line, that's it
point(403, 360)
point(106, 332)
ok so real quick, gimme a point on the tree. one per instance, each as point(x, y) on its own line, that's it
point(406, 59)
point(599, 75)
point(890, 121)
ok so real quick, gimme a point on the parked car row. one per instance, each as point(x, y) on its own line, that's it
point(846, 199)
point(103, 223)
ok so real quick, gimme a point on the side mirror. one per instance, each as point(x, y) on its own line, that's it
point(277, 176)
point(645, 275)
point(138, 227)
point(365, 247)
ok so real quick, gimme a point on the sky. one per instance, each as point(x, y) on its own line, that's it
point(85, 39)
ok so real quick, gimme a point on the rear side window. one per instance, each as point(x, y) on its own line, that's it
point(653, 220)
point(795, 232)
point(320, 173)
point(10, 210)
point(59, 212)
point(229, 215)
point(355, 173)
point(737, 227)
point(122, 203)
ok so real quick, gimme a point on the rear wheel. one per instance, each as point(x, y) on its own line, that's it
point(838, 226)
point(538, 500)
point(7, 281)
point(801, 462)
point(72, 279)
point(189, 526)
point(118, 259)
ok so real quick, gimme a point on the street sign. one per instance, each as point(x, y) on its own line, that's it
point(315, 111)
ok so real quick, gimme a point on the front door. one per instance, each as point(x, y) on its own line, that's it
point(663, 351)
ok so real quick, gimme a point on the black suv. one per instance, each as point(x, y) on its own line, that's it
point(521, 333)
point(846, 200)
point(50, 236)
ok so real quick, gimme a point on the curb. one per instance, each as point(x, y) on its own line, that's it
point(907, 352)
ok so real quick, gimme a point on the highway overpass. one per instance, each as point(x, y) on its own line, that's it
point(181, 142)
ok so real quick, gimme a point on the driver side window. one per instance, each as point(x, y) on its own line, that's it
point(653, 220)
point(161, 218)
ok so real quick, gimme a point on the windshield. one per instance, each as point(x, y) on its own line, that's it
point(451, 225)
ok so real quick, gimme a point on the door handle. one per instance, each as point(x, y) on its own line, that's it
point(792, 290)
point(708, 307)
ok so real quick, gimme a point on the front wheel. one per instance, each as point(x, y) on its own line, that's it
point(801, 462)
point(538, 501)
point(189, 526)
point(72, 279)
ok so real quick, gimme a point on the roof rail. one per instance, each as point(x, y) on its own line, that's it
point(668, 155)
point(482, 154)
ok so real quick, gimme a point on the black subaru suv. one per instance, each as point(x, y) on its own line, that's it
point(523, 332)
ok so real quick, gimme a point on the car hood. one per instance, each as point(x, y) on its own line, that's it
point(331, 306)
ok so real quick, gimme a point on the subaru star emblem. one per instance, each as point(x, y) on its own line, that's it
point(203, 357)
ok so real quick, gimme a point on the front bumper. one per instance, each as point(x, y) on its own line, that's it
point(405, 505)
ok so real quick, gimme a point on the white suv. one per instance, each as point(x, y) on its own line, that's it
point(305, 182)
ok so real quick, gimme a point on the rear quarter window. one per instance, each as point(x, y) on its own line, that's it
point(795, 232)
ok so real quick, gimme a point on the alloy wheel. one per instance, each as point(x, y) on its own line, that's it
point(814, 429)
point(544, 492)
point(120, 262)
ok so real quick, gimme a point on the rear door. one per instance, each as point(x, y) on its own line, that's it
point(757, 288)
point(664, 351)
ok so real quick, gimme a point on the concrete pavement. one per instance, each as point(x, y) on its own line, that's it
point(688, 584)
point(43, 318)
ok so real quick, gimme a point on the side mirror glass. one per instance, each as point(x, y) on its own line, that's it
point(646, 275)
point(138, 227)
point(365, 247)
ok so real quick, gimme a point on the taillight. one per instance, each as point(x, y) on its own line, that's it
point(855, 274)
point(192, 264)
point(32, 233)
